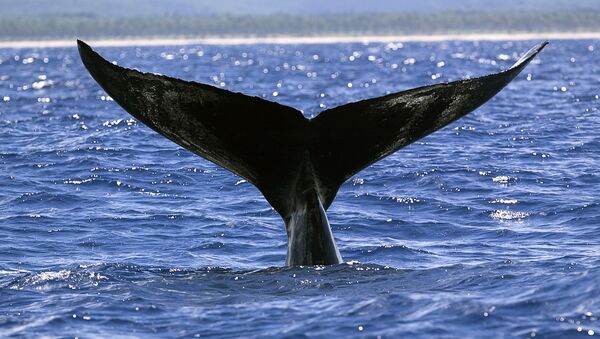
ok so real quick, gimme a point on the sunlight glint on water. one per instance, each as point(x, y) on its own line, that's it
point(488, 226)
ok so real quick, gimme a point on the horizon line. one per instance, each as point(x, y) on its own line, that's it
point(283, 39)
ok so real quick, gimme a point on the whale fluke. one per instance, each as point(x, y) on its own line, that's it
point(358, 134)
point(297, 163)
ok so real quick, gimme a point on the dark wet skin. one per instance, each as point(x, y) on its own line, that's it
point(297, 163)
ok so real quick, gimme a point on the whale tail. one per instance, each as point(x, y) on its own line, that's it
point(297, 163)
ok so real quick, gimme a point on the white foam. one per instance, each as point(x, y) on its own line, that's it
point(508, 215)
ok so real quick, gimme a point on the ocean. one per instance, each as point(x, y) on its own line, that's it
point(489, 227)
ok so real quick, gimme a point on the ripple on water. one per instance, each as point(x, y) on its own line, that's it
point(486, 228)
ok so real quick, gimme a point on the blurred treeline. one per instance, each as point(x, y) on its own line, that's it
point(16, 27)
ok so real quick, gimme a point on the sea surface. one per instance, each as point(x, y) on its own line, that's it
point(489, 227)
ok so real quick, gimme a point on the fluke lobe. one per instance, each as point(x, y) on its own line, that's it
point(297, 163)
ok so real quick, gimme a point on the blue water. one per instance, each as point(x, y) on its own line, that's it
point(488, 227)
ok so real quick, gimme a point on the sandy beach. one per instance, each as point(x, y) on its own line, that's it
point(159, 41)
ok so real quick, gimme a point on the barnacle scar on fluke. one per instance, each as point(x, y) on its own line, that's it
point(297, 163)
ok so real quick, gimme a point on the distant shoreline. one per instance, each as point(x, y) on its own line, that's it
point(159, 41)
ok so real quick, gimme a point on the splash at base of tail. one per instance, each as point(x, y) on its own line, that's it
point(298, 164)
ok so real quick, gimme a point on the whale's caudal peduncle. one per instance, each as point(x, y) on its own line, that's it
point(298, 164)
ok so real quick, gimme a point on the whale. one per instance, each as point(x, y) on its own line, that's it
point(297, 163)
